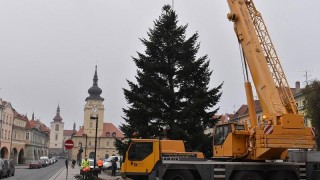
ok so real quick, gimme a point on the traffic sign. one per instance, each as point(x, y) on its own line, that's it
point(68, 144)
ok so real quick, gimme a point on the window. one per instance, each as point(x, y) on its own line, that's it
point(89, 143)
point(114, 134)
point(56, 138)
point(240, 127)
point(57, 127)
point(5, 134)
point(90, 125)
point(91, 155)
point(107, 134)
point(139, 151)
point(221, 134)
point(107, 143)
point(9, 136)
point(259, 119)
point(27, 136)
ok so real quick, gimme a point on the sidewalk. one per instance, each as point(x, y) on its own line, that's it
point(62, 174)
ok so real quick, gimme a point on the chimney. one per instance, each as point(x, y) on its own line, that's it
point(298, 89)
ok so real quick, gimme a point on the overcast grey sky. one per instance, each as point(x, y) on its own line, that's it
point(48, 49)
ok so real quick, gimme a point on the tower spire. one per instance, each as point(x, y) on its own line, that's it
point(95, 91)
point(57, 118)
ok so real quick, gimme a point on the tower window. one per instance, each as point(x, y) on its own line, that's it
point(57, 127)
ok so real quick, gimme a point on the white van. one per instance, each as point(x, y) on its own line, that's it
point(46, 158)
point(107, 162)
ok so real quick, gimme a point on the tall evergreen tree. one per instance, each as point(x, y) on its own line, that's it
point(312, 106)
point(171, 97)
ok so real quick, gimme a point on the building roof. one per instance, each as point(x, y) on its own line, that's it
point(244, 110)
point(57, 118)
point(68, 132)
point(223, 118)
point(108, 130)
point(38, 125)
point(95, 91)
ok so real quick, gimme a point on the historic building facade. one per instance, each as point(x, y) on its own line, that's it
point(22, 140)
point(56, 134)
point(18, 138)
point(6, 129)
point(37, 140)
point(84, 139)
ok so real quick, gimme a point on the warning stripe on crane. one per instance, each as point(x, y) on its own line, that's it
point(313, 131)
point(268, 129)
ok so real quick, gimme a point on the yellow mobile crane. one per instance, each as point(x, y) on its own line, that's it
point(283, 127)
point(241, 151)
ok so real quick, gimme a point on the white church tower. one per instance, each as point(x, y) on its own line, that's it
point(56, 134)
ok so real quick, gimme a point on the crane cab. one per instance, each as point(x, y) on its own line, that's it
point(230, 140)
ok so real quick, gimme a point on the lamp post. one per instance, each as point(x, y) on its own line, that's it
point(95, 116)
point(79, 153)
point(85, 148)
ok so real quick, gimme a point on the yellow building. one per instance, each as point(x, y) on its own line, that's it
point(106, 132)
point(6, 129)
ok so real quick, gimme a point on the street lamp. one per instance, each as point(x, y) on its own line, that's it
point(79, 153)
point(85, 148)
point(95, 116)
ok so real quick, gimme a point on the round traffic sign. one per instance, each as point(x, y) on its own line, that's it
point(68, 144)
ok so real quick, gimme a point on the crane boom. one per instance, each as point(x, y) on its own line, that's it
point(272, 59)
point(270, 82)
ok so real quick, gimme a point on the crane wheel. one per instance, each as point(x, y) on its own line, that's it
point(247, 175)
point(283, 175)
point(179, 175)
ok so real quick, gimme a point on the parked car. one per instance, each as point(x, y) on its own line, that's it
point(107, 162)
point(45, 158)
point(3, 168)
point(35, 165)
point(11, 167)
point(44, 163)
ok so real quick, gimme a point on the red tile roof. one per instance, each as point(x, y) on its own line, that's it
point(67, 132)
point(110, 128)
point(107, 128)
point(37, 124)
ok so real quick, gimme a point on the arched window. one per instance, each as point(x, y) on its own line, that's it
point(56, 137)
point(106, 156)
point(114, 134)
point(57, 127)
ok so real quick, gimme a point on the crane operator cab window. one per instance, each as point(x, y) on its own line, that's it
point(221, 134)
point(139, 151)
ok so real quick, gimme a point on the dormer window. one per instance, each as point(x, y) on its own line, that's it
point(107, 134)
point(114, 134)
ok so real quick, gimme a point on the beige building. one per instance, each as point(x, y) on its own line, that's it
point(18, 138)
point(21, 139)
point(36, 139)
point(84, 139)
point(6, 129)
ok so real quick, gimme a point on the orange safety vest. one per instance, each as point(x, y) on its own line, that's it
point(100, 163)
